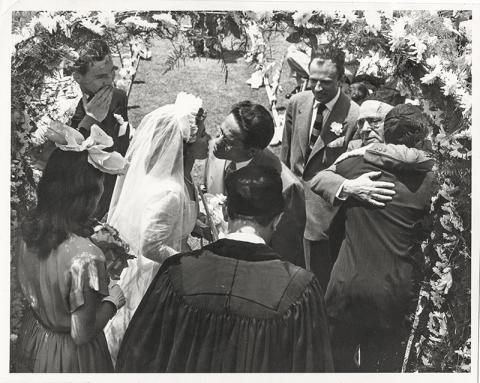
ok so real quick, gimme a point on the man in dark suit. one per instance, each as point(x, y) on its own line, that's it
point(102, 105)
point(243, 140)
point(373, 283)
point(316, 123)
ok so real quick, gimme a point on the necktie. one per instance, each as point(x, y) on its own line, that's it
point(317, 126)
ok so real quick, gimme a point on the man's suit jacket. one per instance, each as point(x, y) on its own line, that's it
point(120, 143)
point(287, 239)
point(372, 279)
point(296, 137)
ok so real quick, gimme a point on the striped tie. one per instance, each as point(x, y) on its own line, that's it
point(317, 128)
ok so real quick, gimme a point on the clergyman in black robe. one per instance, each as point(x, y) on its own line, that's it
point(235, 305)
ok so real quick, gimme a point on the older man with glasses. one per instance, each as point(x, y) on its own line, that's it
point(366, 188)
point(375, 280)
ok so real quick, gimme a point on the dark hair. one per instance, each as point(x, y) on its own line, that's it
point(92, 51)
point(406, 125)
point(255, 122)
point(336, 56)
point(254, 192)
point(387, 95)
point(67, 198)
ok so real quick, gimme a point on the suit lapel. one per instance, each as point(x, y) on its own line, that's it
point(305, 111)
point(338, 114)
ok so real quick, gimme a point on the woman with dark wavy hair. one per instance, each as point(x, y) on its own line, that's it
point(62, 273)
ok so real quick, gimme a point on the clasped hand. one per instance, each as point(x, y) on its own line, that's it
point(365, 188)
point(99, 105)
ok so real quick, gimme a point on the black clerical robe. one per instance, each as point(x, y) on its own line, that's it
point(231, 307)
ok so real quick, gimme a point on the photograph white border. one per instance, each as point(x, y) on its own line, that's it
point(6, 7)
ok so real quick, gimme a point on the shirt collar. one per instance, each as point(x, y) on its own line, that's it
point(329, 104)
point(239, 165)
point(241, 250)
point(245, 237)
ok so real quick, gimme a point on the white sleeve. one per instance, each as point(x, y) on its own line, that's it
point(159, 220)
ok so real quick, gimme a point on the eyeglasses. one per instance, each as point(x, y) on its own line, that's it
point(372, 121)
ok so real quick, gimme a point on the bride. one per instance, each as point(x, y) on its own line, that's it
point(154, 205)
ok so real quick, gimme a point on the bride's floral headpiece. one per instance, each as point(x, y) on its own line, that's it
point(68, 139)
point(187, 107)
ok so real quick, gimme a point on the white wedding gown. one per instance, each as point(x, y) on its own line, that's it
point(165, 226)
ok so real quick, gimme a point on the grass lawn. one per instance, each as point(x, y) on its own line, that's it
point(204, 78)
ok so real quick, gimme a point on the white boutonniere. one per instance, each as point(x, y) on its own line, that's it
point(123, 124)
point(336, 128)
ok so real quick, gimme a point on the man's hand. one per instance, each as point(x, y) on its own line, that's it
point(364, 188)
point(99, 105)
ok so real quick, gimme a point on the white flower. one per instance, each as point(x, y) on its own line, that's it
point(165, 18)
point(368, 64)
point(96, 28)
point(300, 19)
point(450, 80)
point(434, 61)
point(137, 22)
point(107, 19)
point(336, 128)
point(46, 20)
point(430, 77)
point(398, 33)
point(373, 21)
